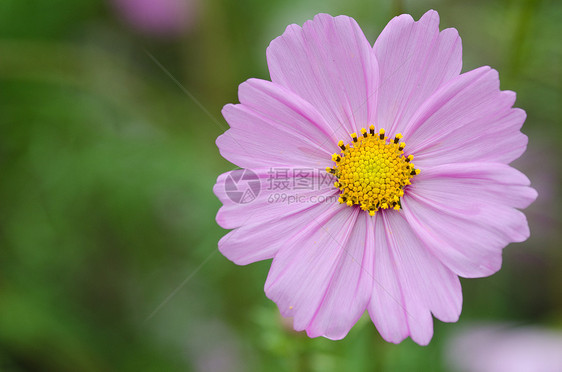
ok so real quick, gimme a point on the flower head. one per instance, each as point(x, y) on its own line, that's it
point(352, 224)
point(497, 347)
point(157, 17)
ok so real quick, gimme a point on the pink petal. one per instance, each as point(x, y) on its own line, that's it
point(289, 112)
point(303, 279)
point(274, 127)
point(277, 197)
point(328, 62)
point(261, 240)
point(387, 308)
point(415, 59)
point(410, 284)
point(466, 214)
point(350, 286)
point(469, 119)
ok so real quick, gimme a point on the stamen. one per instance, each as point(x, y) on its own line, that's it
point(372, 172)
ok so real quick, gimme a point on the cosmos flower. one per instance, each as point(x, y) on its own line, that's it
point(504, 347)
point(163, 18)
point(384, 235)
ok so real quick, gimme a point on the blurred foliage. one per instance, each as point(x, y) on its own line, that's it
point(108, 244)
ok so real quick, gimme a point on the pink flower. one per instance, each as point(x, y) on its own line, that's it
point(502, 347)
point(157, 17)
point(384, 234)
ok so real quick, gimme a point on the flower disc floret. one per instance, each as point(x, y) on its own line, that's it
point(372, 171)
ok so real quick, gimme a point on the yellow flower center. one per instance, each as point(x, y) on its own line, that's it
point(372, 171)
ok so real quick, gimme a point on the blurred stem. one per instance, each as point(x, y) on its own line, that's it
point(525, 18)
point(397, 7)
point(303, 362)
point(380, 349)
point(208, 55)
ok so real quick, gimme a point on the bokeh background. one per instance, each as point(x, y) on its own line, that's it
point(109, 111)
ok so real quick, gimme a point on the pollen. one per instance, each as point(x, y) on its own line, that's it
point(372, 171)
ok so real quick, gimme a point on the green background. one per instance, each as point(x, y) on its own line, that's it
point(108, 243)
